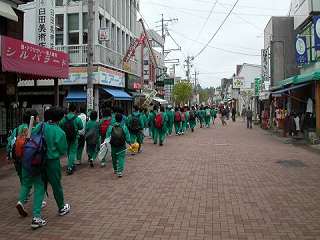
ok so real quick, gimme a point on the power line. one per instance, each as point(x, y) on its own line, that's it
point(221, 25)
point(217, 48)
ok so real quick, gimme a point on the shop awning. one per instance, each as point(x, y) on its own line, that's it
point(314, 76)
point(7, 12)
point(118, 94)
point(32, 60)
point(76, 96)
point(160, 100)
point(279, 92)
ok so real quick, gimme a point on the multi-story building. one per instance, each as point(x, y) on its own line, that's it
point(115, 27)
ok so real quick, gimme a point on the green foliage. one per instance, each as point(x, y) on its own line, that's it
point(182, 92)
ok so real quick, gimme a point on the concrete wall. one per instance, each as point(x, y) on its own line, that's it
point(280, 38)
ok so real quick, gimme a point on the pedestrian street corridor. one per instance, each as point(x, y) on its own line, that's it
point(218, 183)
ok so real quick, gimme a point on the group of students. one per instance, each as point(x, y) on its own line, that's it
point(66, 133)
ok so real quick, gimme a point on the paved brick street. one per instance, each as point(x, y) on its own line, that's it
point(223, 183)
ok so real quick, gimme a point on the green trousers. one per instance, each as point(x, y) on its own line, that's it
point(152, 131)
point(137, 137)
point(81, 142)
point(184, 126)
point(27, 183)
point(53, 174)
point(170, 128)
point(92, 151)
point(72, 152)
point(193, 124)
point(160, 134)
point(207, 121)
point(118, 158)
point(177, 127)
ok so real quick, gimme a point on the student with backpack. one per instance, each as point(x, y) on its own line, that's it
point(104, 125)
point(207, 117)
point(177, 121)
point(135, 124)
point(81, 140)
point(170, 116)
point(32, 157)
point(151, 117)
point(160, 127)
point(184, 120)
point(192, 119)
point(71, 124)
point(119, 135)
point(92, 137)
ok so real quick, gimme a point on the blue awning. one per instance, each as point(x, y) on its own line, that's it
point(77, 96)
point(279, 92)
point(118, 94)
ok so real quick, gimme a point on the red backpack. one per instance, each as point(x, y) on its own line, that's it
point(158, 121)
point(183, 116)
point(104, 127)
point(177, 117)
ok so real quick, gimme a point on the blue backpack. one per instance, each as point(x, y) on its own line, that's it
point(35, 153)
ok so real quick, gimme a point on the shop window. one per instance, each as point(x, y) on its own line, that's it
point(73, 38)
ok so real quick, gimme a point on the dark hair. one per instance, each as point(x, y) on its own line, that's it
point(155, 108)
point(106, 112)
point(72, 107)
point(27, 115)
point(56, 114)
point(162, 108)
point(47, 115)
point(82, 109)
point(119, 117)
point(136, 108)
point(93, 115)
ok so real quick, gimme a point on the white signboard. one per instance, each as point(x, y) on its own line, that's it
point(104, 34)
point(45, 23)
point(111, 78)
point(237, 82)
point(265, 65)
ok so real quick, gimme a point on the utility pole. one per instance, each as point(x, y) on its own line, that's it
point(163, 36)
point(188, 62)
point(195, 80)
point(90, 56)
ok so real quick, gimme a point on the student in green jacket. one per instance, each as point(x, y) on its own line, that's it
point(160, 128)
point(135, 125)
point(207, 116)
point(145, 121)
point(192, 119)
point(57, 146)
point(92, 137)
point(177, 121)
point(71, 124)
point(184, 121)
point(170, 115)
point(152, 116)
point(104, 125)
point(119, 135)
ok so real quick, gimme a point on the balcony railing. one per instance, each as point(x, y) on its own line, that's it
point(102, 55)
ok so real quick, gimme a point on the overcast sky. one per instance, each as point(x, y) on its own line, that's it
point(239, 41)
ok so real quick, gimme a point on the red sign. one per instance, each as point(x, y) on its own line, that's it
point(21, 57)
point(136, 86)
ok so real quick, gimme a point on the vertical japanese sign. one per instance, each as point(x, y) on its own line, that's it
point(316, 23)
point(45, 23)
point(265, 65)
point(301, 50)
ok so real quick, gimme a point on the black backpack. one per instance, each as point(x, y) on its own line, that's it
point(92, 136)
point(69, 129)
point(135, 124)
point(117, 137)
point(192, 116)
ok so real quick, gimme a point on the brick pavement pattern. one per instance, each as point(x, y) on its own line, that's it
point(218, 183)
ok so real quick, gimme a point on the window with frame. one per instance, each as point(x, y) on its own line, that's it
point(59, 29)
point(73, 29)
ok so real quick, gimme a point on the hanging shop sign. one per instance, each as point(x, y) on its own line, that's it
point(316, 22)
point(301, 50)
point(45, 20)
point(133, 82)
point(22, 57)
point(265, 64)
point(104, 34)
point(111, 77)
point(237, 82)
point(79, 75)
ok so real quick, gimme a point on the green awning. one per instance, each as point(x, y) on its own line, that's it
point(314, 76)
point(286, 82)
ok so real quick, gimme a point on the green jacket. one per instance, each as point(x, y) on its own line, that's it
point(93, 125)
point(137, 115)
point(170, 115)
point(151, 118)
point(125, 130)
point(55, 139)
point(145, 120)
point(77, 123)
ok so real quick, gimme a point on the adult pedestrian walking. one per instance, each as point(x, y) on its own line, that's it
point(82, 132)
point(249, 115)
point(104, 125)
point(233, 113)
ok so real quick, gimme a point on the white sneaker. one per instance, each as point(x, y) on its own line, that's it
point(44, 204)
point(38, 222)
point(22, 211)
point(65, 210)
point(103, 164)
point(78, 162)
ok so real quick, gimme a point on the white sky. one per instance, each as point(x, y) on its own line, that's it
point(242, 33)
